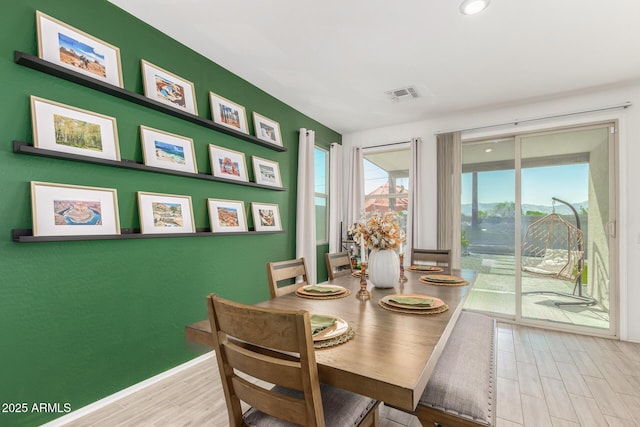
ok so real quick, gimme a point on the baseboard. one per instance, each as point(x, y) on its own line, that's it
point(85, 410)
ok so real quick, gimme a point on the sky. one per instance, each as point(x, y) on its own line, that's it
point(539, 185)
point(566, 182)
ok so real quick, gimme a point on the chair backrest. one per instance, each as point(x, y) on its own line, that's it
point(289, 270)
point(338, 264)
point(438, 256)
point(241, 335)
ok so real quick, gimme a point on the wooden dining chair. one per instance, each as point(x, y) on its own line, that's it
point(292, 272)
point(241, 336)
point(441, 257)
point(338, 264)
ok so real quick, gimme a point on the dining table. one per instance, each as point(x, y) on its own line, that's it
point(390, 354)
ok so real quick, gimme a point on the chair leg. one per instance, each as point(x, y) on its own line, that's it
point(373, 418)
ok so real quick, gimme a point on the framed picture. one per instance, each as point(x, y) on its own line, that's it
point(226, 163)
point(266, 217)
point(266, 129)
point(72, 210)
point(167, 151)
point(227, 113)
point(227, 216)
point(266, 172)
point(165, 213)
point(163, 86)
point(67, 129)
point(71, 48)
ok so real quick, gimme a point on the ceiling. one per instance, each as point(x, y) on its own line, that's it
point(334, 60)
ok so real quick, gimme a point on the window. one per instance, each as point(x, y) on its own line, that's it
point(322, 194)
point(386, 182)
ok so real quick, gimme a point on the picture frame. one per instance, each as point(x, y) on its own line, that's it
point(227, 216)
point(227, 113)
point(67, 129)
point(168, 88)
point(165, 213)
point(71, 48)
point(266, 172)
point(267, 130)
point(227, 163)
point(165, 150)
point(266, 216)
point(73, 210)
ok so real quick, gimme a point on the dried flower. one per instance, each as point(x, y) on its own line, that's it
point(379, 230)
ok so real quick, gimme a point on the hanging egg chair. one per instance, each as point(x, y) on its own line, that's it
point(553, 248)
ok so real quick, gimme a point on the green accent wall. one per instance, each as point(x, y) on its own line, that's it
point(82, 320)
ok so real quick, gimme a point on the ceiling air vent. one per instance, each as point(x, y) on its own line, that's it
point(403, 94)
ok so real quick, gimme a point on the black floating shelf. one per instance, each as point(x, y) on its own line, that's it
point(47, 67)
point(26, 148)
point(26, 235)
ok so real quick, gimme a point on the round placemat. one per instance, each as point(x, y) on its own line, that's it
point(337, 340)
point(330, 296)
point(438, 310)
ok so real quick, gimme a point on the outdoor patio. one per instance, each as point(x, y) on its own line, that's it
point(494, 291)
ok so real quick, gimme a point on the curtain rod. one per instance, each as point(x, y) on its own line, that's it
point(516, 122)
point(385, 145)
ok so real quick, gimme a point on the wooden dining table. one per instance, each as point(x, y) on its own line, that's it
point(392, 354)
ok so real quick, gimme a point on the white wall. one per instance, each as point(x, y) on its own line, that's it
point(628, 161)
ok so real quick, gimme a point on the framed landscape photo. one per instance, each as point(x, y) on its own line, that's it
point(67, 129)
point(228, 164)
point(167, 151)
point(163, 86)
point(227, 216)
point(165, 213)
point(266, 129)
point(266, 216)
point(73, 210)
point(266, 172)
point(76, 50)
point(228, 113)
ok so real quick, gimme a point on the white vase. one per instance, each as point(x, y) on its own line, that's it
point(383, 268)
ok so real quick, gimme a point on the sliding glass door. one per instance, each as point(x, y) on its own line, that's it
point(488, 223)
point(538, 218)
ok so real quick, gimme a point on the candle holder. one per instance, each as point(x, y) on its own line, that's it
point(363, 293)
point(403, 278)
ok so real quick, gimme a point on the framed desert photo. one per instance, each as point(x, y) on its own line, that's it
point(227, 216)
point(71, 48)
point(228, 113)
point(266, 172)
point(228, 164)
point(167, 151)
point(72, 210)
point(165, 213)
point(266, 129)
point(67, 129)
point(266, 217)
point(163, 86)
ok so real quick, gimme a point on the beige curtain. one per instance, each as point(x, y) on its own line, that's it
point(449, 187)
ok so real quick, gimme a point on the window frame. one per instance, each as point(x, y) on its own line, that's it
point(324, 196)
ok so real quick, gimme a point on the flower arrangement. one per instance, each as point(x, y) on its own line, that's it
point(379, 230)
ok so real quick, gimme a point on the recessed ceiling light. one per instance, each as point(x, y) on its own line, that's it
point(471, 7)
point(488, 150)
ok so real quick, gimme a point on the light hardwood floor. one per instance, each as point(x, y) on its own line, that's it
point(545, 379)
